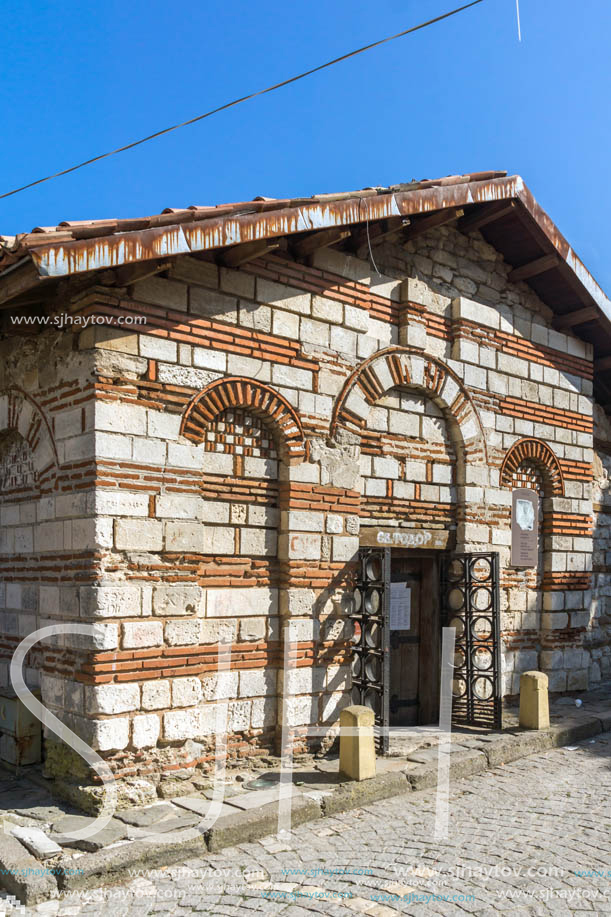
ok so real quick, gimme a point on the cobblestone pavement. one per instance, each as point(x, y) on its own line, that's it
point(531, 837)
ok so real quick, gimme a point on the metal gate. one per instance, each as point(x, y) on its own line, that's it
point(369, 614)
point(470, 603)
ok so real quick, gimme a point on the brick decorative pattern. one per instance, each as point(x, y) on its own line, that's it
point(536, 455)
point(17, 472)
point(242, 392)
point(238, 432)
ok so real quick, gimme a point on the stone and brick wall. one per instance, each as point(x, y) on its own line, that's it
point(211, 472)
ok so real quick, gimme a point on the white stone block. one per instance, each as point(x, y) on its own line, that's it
point(217, 463)
point(107, 601)
point(178, 506)
point(257, 683)
point(209, 359)
point(355, 318)
point(119, 417)
point(184, 536)
point(186, 376)
point(344, 547)
point(385, 467)
point(139, 634)
point(475, 312)
point(110, 735)
point(238, 602)
point(284, 297)
point(138, 535)
point(182, 724)
point(186, 692)
point(112, 698)
point(305, 521)
point(218, 539)
point(292, 376)
point(158, 348)
point(285, 324)
point(145, 730)
point(183, 633)
point(188, 455)
point(121, 503)
point(260, 468)
point(327, 309)
point(314, 332)
point(163, 425)
point(112, 445)
point(343, 340)
point(148, 451)
point(156, 695)
point(258, 542)
point(177, 600)
point(300, 546)
point(49, 536)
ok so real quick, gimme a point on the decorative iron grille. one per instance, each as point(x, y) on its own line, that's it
point(369, 612)
point(470, 591)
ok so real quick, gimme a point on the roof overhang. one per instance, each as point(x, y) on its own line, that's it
point(500, 206)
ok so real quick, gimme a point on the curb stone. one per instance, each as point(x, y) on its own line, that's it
point(462, 764)
point(252, 824)
point(114, 864)
point(355, 794)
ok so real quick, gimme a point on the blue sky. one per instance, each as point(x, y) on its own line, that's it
point(80, 78)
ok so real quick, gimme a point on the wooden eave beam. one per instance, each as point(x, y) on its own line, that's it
point(378, 232)
point(486, 214)
point(18, 280)
point(576, 317)
point(433, 221)
point(240, 254)
point(533, 268)
point(317, 240)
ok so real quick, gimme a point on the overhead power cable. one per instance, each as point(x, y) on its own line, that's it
point(252, 95)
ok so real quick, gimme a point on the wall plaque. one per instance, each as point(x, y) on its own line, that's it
point(524, 528)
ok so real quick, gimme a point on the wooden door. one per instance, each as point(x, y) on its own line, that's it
point(415, 639)
point(405, 606)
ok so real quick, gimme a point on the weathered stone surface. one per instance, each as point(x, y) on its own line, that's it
point(106, 866)
point(199, 806)
point(176, 823)
point(256, 798)
point(22, 875)
point(145, 817)
point(245, 826)
point(361, 793)
point(37, 842)
point(63, 833)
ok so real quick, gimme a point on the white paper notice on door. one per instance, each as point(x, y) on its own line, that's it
point(400, 606)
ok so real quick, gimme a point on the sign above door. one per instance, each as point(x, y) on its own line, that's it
point(372, 536)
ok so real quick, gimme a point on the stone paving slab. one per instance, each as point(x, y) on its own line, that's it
point(146, 816)
point(37, 842)
point(64, 829)
point(200, 806)
point(257, 798)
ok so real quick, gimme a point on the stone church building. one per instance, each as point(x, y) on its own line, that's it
point(269, 449)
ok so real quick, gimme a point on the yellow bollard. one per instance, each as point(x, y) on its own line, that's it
point(534, 705)
point(357, 757)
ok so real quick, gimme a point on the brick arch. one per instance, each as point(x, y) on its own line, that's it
point(404, 366)
point(540, 454)
point(262, 400)
point(19, 413)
